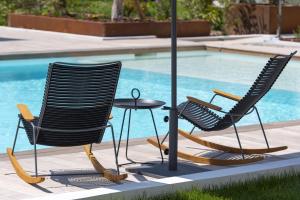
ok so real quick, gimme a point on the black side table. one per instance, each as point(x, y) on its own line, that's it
point(137, 104)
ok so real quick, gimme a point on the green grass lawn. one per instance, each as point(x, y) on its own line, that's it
point(272, 188)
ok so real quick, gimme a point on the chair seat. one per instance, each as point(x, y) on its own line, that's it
point(198, 115)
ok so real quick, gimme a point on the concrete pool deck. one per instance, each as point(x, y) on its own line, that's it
point(25, 43)
point(22, 43)
point(62, 160)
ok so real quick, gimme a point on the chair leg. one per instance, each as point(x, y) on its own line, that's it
point(191, 132)
point(115, 149)
point(18, 168)
point(35, 153)
point(167, 119)
point(122, 126)
point(164, 139)
point(110, 175)
point(262, 127)
point(211, 100)
point(238, 138)
point(16, 136)
point(91, 148)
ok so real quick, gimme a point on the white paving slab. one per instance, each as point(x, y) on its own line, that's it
point(69, 159)
point(200, 180)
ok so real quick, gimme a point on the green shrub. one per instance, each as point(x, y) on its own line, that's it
point(201, 9)
point(101, 9)
point(131, 9)
point(92, 9)
point(95, 9)
point(4, 10)
point(159, 10)
point(194, 9)
point(297, 32)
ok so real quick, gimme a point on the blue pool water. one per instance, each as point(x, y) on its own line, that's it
point(22, 81)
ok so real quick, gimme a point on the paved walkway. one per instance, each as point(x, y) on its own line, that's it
point(61, 160)
point(20, 43)
point(16, 42)
point(258, 45)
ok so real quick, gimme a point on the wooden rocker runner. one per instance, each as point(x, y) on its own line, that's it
point(76, 110)
point(200, 114)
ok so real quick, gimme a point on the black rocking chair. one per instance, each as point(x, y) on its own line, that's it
point(200, 114)
point(76, 109)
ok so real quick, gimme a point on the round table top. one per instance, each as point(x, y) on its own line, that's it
point(139, 104)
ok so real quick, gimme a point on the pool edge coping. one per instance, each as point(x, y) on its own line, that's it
point(259, 53)
point(134, 50)
point(140, 141)
point(193, 46)
point(97, 51)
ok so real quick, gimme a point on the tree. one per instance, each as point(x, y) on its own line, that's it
point(279, 18)
point(61, 5)
point(117, 10)
point(139, 9)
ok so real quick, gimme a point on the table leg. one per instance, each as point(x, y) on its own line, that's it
point(127, 139)
point(160, 151)
point(127, 142)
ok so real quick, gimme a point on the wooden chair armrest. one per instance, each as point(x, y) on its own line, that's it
point(203, 103)
point(25, 112)
point(227, 95)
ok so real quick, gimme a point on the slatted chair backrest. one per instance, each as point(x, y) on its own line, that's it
point(77, 97)
point(260, 87)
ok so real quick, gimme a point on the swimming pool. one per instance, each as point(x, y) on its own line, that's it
point(22, 81)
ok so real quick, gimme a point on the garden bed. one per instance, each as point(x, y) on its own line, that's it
point(109, 29)
point(258, 18)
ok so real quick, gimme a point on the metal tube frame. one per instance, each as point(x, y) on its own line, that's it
point(120, 138)
point(237, 137)
point(35, 138)
point(254, 108)
point(164, 139)
point(168, 133)
point(127, 138)
point(115, 148)
point(16, 136)
point(261, 126)
point(157, 137)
